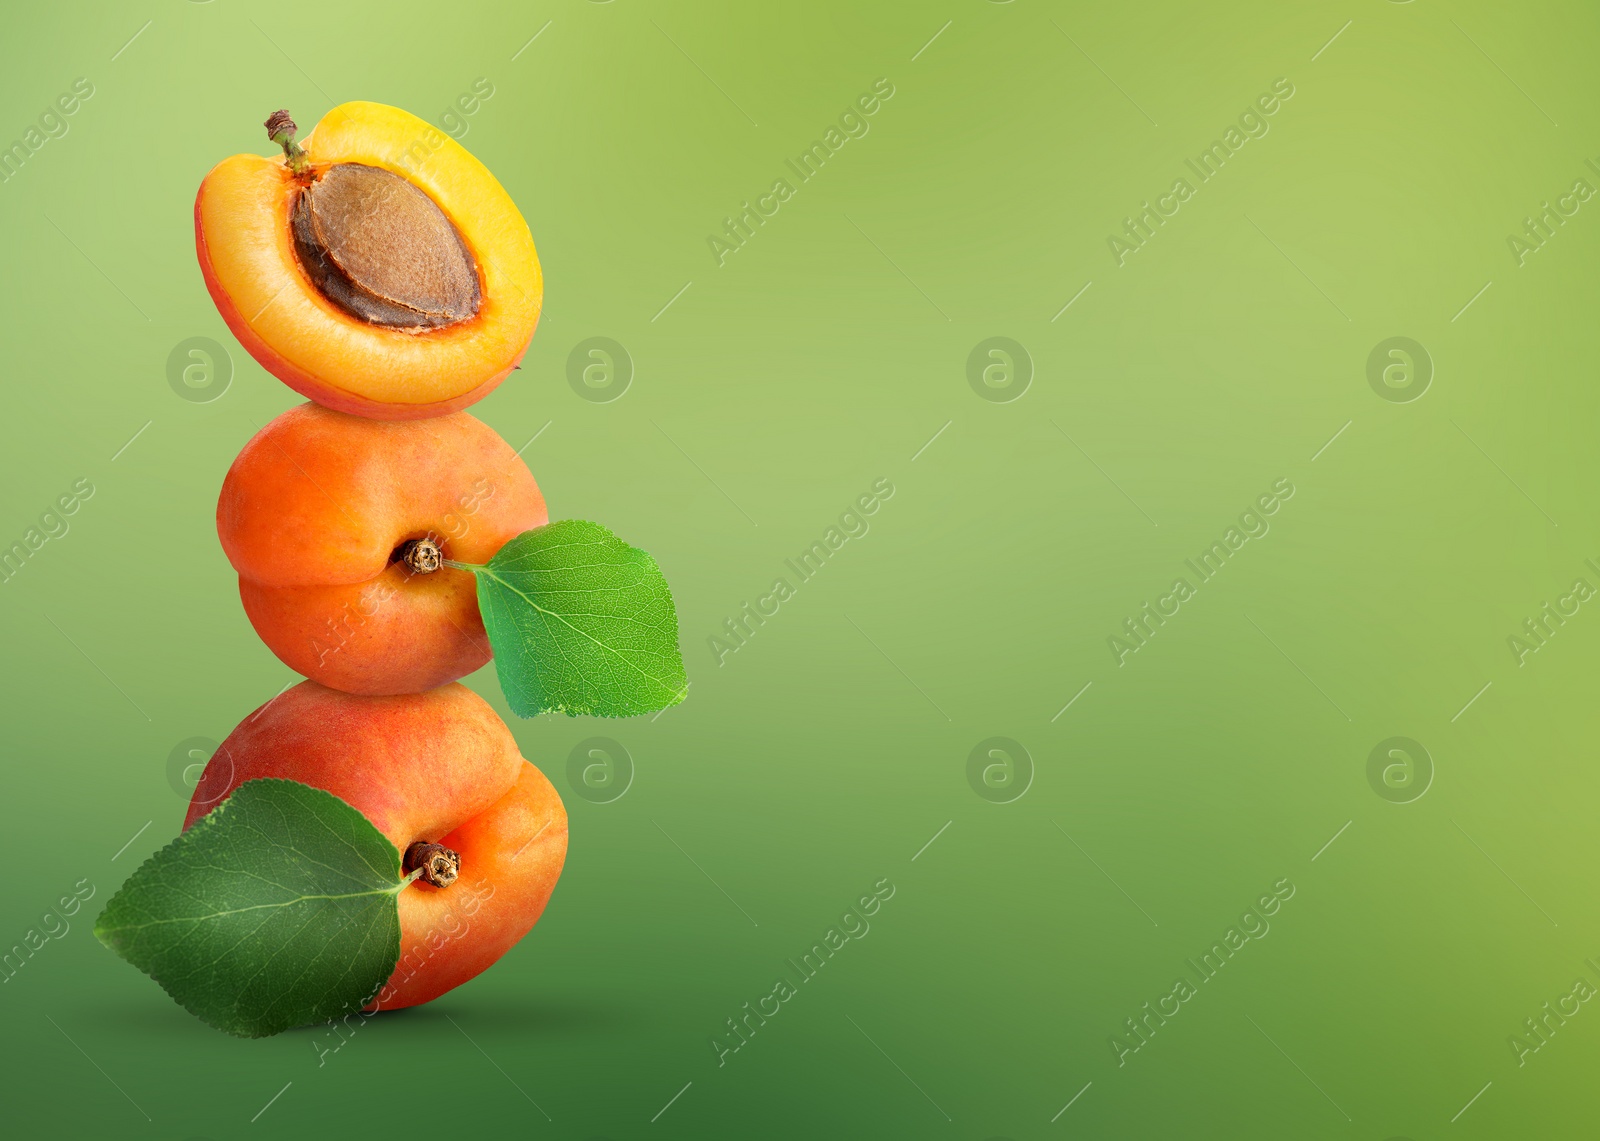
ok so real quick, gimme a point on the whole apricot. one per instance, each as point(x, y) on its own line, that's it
point(439, 774)
point(337, 526)
point(376, 268)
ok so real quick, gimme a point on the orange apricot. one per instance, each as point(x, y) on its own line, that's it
point(377, 268)
point(437, 767)
point(337, 525)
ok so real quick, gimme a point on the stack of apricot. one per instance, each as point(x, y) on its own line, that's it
point(380, 270)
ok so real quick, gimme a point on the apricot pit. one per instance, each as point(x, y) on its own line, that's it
point(379, 248)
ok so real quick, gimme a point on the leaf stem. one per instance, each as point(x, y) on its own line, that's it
point(474, 567)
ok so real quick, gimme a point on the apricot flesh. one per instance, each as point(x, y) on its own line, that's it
point(438, 766)
point(312, 515)
point(245, 242)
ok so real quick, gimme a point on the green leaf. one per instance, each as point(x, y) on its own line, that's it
point(580, 623)
point(278, 909)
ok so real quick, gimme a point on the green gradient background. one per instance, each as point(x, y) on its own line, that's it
point(827, 752)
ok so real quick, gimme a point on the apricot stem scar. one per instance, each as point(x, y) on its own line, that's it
point(423, 556)
point(434, 863)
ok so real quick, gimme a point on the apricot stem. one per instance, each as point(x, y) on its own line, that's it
point(281, 130)
point(434, 863)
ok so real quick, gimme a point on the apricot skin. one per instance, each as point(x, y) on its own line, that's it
point(437, 766)
point(311, 513)
point(245, 247)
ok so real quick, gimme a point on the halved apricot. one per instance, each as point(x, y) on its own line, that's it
point(377, 268)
